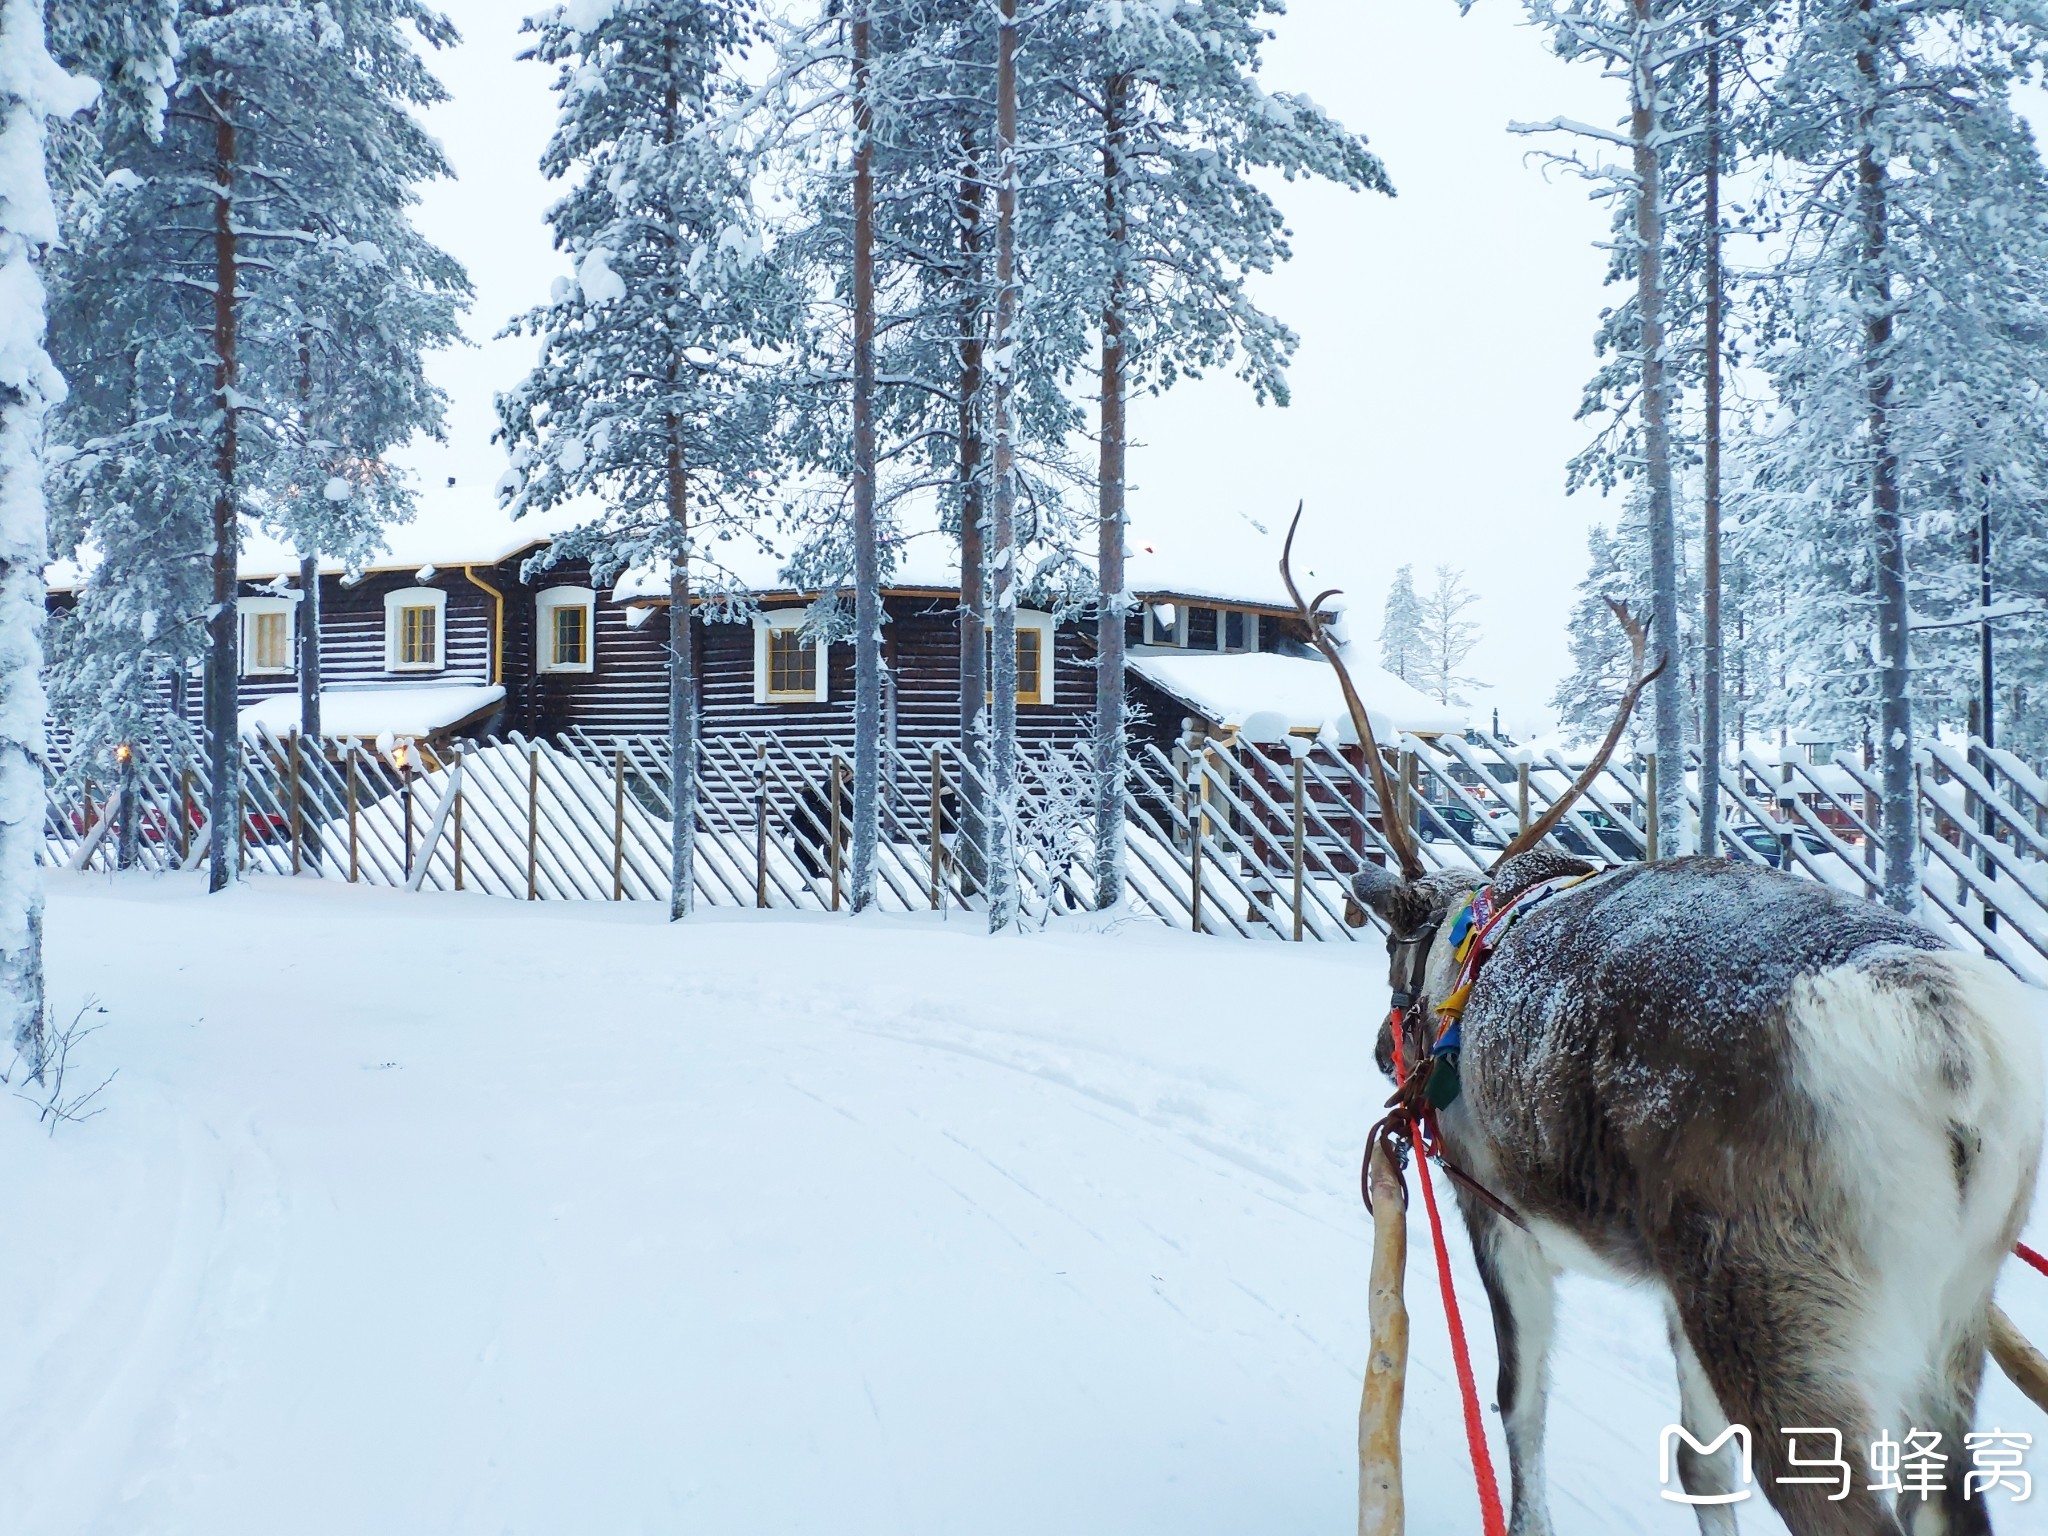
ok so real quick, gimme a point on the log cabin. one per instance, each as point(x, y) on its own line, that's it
point(456, 636)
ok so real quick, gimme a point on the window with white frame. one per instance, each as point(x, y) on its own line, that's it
point(1239, 631)
point(267, 640)
point(1166, 624)
point(1035, 660)
point(415, 630)
point(790, 667)
point(567, 630)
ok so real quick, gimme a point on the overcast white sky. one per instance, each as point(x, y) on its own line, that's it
point(1445, 332)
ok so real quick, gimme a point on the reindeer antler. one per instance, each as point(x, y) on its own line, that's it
point(1639, 643)
point(1391, 827)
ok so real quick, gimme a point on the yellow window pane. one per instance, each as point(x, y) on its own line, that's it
point(1029, 642)
point(571, 636)
point(271, 642)
point(418, 640)
point(792, 663)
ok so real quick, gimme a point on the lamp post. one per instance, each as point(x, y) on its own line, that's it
point(402, 756)
point(128, 831)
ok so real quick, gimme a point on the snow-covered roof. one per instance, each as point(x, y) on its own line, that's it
point(379, 710)
point(1231, 562)
point(1266, 695)
point(1225, 561)
point(450, 531)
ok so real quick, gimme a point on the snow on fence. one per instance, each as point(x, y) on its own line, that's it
point(1222, 837)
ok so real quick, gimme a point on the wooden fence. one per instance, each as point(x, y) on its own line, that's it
point(1254, 840)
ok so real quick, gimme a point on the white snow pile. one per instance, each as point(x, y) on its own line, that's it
point(461, 1216)
point(1268, 694)
point(379, 711)
point(600, 284)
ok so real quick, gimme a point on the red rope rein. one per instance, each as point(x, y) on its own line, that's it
point(1491, 1517)
point(2031, 1257)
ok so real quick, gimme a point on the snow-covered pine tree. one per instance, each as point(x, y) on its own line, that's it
point(1174, 125)
point(929, 88)
point(1401, 628)
point(651, 396)
point(1907, 315)
point(366, 310)
point(1642, 42)
point(185, 297)
point(1448, 637)
point(1587, 697)
point(33, 89)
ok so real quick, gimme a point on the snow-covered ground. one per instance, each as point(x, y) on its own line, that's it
point(439, 1214)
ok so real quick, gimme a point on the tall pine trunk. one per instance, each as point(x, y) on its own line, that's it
point(1002, 852)
point(973, 835)
point(1667, 691)
point(682, 694)
point(867, 574)
point(682, 652)
point(309, 572)
point(223, 747)
point(1895, 707)
point(1710, 469)
point(1109, 526)
point(309, 645)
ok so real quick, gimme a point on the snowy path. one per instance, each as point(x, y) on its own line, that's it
point(434, 1214)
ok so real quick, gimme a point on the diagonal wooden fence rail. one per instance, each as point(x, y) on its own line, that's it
point(1222, 837)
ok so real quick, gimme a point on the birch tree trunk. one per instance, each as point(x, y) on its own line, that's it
point(867, 577)
point(223, 747)
point(1644, 128)
point(1109, 553)
point(1710, 469)
point(973, 835)
point(1002, 850)
point(27, 224)
point(1895, 709)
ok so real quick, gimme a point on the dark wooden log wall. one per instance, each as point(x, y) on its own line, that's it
point(628, 692)
point(352, 633)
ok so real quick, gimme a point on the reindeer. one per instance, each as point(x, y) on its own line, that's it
point(1809, 1123)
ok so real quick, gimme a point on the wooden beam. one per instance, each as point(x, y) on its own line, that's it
point(2025, 1366)
point(1381, 1510)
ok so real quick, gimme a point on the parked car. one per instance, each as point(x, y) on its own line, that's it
point(1768, 844)
point(1616, 842)
point(1487, 833)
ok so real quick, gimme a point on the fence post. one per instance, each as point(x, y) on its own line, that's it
point(618, 823)
point(1651, 789)
point(1411, 815)
point(1521, 797)
point(1296, 746)
point(242, 833)
point(938, 830)
point(835, 829)
point(461, 790)
point(761, 825)
point(532, 822)
point(353, 868)
point(1197, 805)
point(291, 768)
point(90, 819)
